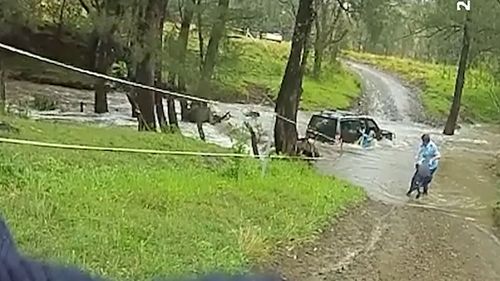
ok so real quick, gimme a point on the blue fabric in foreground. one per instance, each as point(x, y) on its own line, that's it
point(16, 267)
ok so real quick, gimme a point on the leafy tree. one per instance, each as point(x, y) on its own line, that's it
point(463, 36)
point(106, 16)
point(328, 29)
point(216, 36)
point(285, 129)
point(150, 15)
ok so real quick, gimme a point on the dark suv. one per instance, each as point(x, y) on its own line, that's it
point(332, 125)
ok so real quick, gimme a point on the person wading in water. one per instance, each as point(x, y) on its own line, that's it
point(429, 155)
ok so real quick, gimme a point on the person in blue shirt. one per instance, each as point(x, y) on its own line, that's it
point(428, 154)
point(366, 139)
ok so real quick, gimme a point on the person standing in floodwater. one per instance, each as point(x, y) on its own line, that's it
point(428, 154)
point(366, 139)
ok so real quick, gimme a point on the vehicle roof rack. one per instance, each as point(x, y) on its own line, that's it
point(340, 112)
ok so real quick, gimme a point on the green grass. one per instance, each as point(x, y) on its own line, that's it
point(135, 216)
point(437, 82)
point(250, 68)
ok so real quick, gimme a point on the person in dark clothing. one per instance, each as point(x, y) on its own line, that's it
point(420, 179)
point(16, 267)
point(428, 155)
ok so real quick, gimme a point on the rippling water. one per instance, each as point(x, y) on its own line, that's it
point(464, 185)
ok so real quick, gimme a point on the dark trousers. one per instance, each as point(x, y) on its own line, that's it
point(425, 184)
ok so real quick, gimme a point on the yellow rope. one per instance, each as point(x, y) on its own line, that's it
point(146, 151)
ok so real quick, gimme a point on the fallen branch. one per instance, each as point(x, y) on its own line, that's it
point(218, 119)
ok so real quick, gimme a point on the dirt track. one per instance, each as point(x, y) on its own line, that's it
point(392, 240)
point(380, 242)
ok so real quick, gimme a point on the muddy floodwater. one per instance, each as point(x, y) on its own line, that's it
point(460, 198)
point(464, 185)
point(68, 109)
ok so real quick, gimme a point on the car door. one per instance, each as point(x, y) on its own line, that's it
point(371, 125)
point(350, 129)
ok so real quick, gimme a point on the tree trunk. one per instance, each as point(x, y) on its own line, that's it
point(216, 35)
point(184, 110)
point(145, 98)
point(131, 96)
point(318, 61)
point(100, 96)
point(326, 22)
point(318, 44)
point(451, 123)
point(303, 67)
point(61, 18)
point(105, 53)
point(199, 24)
point(182, 45)
point(160, 111)
point(172, 114)
point(148, 27)
point(285, 132)
point(102, 64)
point(334, 52)
point(183, 42)
point(3, 98)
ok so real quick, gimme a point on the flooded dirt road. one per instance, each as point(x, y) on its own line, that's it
point(444, 236)
point(463, 185)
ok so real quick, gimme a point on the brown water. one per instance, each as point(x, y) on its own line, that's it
point(464, 184)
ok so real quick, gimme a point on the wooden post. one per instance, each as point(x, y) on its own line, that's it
point(253, 138)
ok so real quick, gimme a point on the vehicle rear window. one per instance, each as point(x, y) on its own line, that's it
point(323, 125)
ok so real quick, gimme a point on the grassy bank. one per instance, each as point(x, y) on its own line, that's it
point(480, 101)
point(134, 216)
